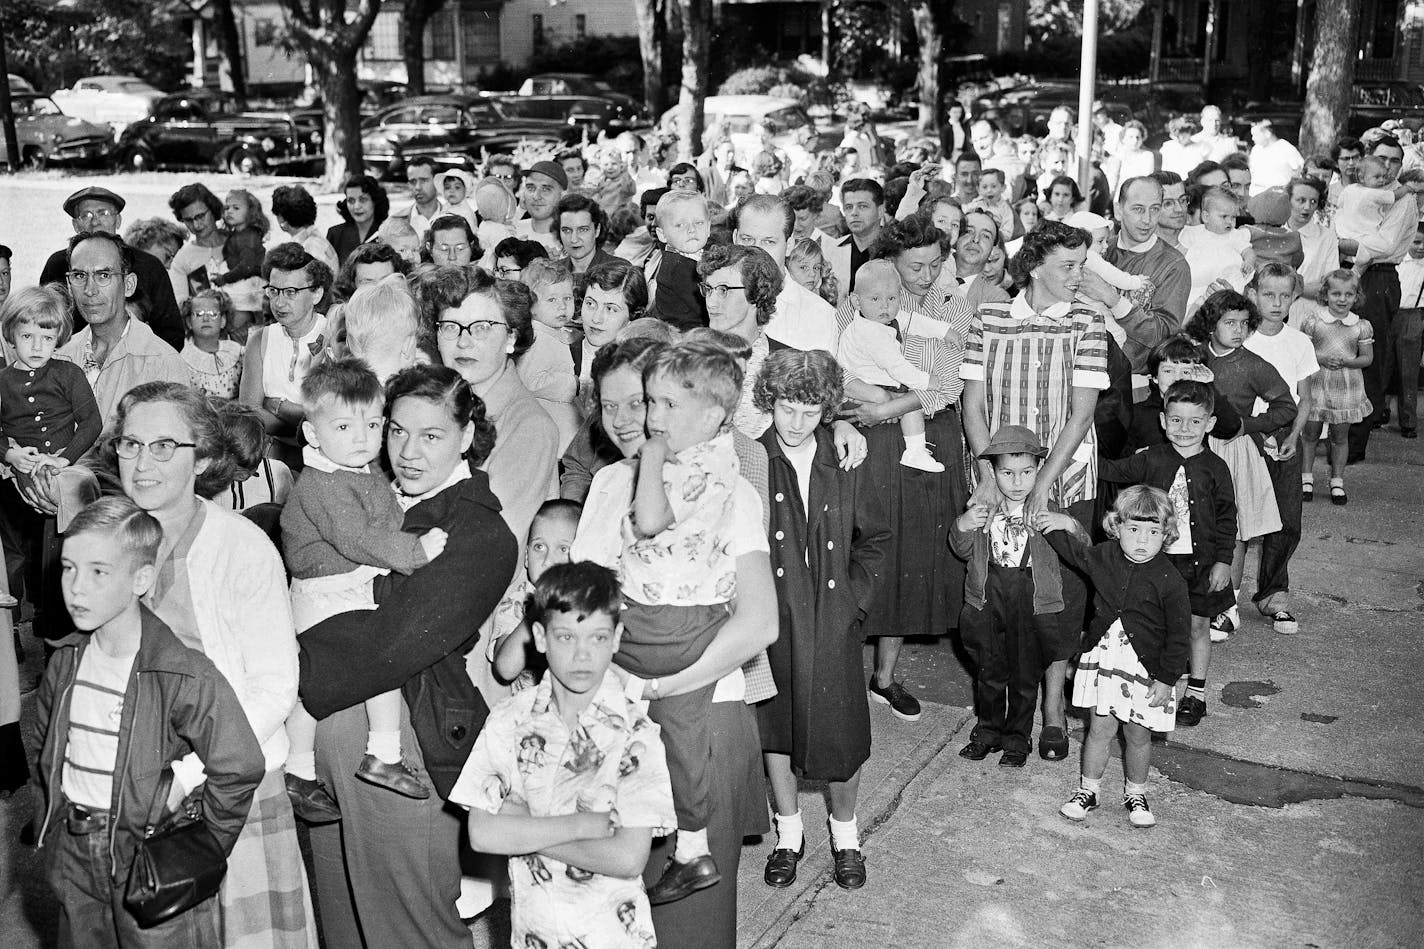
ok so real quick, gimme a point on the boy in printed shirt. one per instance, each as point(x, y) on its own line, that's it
point(569, 778)
point(678, 576)
point(117, 707)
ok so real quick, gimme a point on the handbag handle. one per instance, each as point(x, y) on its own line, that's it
point(158, 808)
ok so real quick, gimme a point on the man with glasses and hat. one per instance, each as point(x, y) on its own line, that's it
point(99, 210)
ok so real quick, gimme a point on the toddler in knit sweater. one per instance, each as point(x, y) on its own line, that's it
point(341, 528)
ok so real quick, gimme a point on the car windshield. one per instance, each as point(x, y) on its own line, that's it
point(481, 112)
point(787, 120)
point(41, 106)
point(132, 85)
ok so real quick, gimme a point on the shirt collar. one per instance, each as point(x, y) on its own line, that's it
point(406, 501)
point(609, 700)
point(1327, 317)
point(1124, 244)
point(1021, 310)
point(315, 459)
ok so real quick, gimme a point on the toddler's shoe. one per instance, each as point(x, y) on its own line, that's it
point(1307, 489)
point(1338, 496)
point(1222, 626)
point(393, 777)
point(921, 459)
point(1190, 711)
point(681, 880)
point(849, 872)
point(1079, 805)
point(1138, 813)
point(311, 801)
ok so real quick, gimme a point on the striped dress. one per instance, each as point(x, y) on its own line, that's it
point(1030, 362)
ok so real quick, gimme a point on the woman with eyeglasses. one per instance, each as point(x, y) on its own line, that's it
point(221, 587)
point(482, 325)
point(201, 212)
point(279, 354)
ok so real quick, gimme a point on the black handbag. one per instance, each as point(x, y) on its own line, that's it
point(178, 864)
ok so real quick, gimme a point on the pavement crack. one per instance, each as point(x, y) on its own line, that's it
point(1262, 785)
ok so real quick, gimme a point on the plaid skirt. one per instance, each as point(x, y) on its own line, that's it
point(264, 901)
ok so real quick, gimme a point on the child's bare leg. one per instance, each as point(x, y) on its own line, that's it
point(1137, 755)
point(301, 735)
point(917, 453)
point(1054, 713)
point(1101, 731)
point(1238, 570)
point(1201, 647)
point(845, 830)
point(790, 831)
point(912, 425)
point(1308, 438)
point(1339, 451)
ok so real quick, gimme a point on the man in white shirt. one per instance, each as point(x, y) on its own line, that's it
point(544, 184)
point(426, 206)
point(1379, 299)
point(803, 321)
point(1293, 355)
point(1274, 161)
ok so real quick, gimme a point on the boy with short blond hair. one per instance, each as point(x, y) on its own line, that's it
point(683, 225)
point(117, 708)
point(569, 778)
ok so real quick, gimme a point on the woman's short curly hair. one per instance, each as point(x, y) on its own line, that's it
point(193, 193)
point(807, 378)
point(445, 387)
point(1202, 326)
point(761, 278)
point(912, 233)
point(153, 232)
point(205, 428)
point(1042, 241)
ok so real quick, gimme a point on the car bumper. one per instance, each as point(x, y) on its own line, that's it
point(83, 151)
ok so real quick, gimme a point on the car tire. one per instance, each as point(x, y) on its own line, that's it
point(135, 158)
point(241, 161)
point(34, 158)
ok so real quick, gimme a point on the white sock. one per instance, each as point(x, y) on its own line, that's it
point(845, 835)
point(915, 443)
point(790, 832)
point(302, 764)
point(385, 746)
point(1090, 784)
point(691, 844)
point(1129, 788)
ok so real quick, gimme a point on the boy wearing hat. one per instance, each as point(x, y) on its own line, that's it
point(1013, 592)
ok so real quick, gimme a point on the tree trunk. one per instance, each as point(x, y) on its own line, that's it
point(1332, 74)
point(7, 112)
point(230, 42)
point(931, 65)
point(651, 37)
point(341, 114)
point(1260, 43)
point(696, 47)
point(415, 15)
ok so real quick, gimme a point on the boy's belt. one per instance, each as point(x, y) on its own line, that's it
point(81, 822)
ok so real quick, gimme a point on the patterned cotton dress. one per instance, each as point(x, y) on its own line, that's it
point(1337, 395)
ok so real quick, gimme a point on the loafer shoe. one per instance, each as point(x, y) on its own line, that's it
point(393, 777)
point(681, 880)
point(1013, 759)
point(311, 801)
point(781, 866)
point(904, 705)
point(1190, 711)
point(1052, 743)
point(978, 751)
point(849, 872)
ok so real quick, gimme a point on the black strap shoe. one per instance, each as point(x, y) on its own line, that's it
point(849, 868)
point(978, 750)
point(781, 866)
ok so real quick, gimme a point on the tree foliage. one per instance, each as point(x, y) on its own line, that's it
point(1047, 20)
point(53, 45)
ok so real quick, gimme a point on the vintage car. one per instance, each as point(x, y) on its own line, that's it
point(48, 136)
point(1371, 105)
point(110, 100)
point(594, 113)
point(453, 130)
point(203, 129)
point(582, 84)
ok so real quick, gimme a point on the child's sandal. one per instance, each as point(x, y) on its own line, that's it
point(1307, 491)
point(1337, 494)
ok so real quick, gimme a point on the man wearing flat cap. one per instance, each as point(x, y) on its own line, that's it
point(99, 209)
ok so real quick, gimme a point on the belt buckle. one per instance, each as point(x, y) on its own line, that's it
point(81, 822)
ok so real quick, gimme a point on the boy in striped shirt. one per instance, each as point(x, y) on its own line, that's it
point(116, 707)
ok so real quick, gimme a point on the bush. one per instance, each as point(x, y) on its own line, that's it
point(779, 79)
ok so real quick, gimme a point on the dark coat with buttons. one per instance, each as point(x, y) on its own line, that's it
point(827, 570)
point(1211, 497)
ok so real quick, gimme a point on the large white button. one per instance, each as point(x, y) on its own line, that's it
point(780, 572)
point(780, 535)
point(830, 545)
point(831, 584)
point(780, 496)
point(32, 398)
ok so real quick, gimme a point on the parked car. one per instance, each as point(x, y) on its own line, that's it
point(48, 136)
point(592, 113)
point(1371, 104)
point(741, 116)
point(583, 84)
point(203, 129)
point(452, 129)
point(19, 84)
point(1024, 110)
point(112, 100)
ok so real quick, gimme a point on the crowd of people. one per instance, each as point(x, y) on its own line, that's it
point(506, 497)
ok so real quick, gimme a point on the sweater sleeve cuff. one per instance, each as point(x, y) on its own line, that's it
point(1122, 307)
